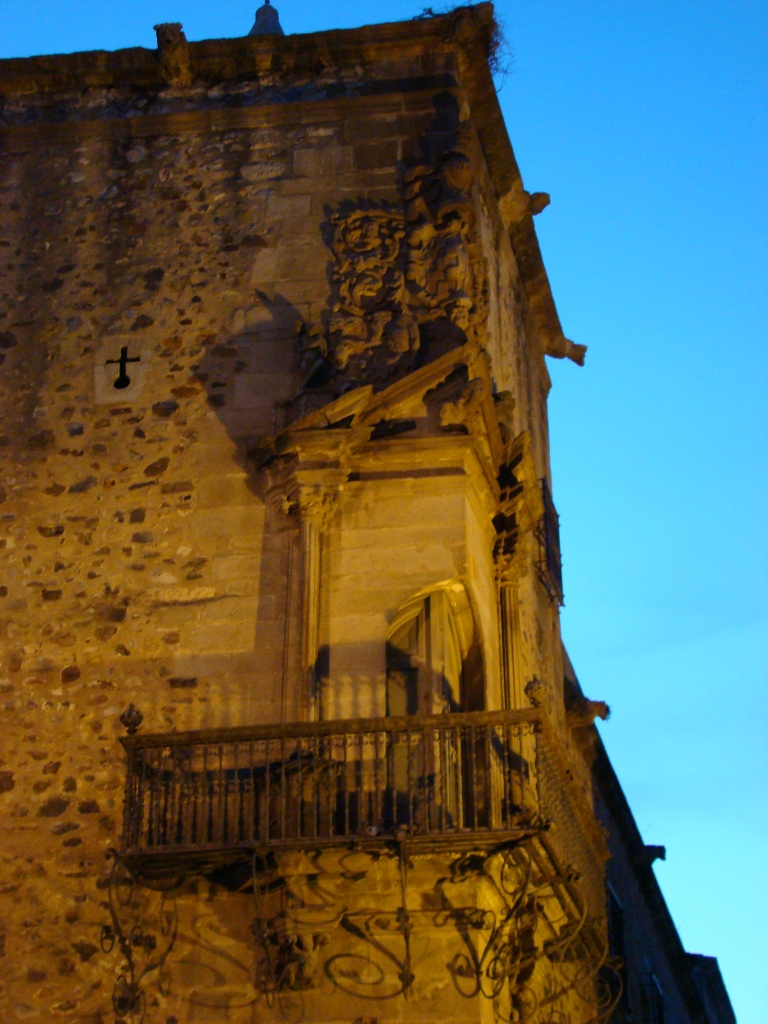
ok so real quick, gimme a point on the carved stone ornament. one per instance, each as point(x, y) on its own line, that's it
point(468, 407)
point(536, 692)
point(370, 313)
point(399, 272)
point(173, 53)
point(312, 503)
point(505, 408)
point(581, 713)
point(471, 411)
point(306, 479)
point(520, 503)
point(445, 270)
point(317, 504)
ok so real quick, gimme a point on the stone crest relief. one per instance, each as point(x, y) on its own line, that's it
point(445, 271)
point(403, 275)
point(370, 315)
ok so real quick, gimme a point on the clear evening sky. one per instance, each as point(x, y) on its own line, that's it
point(646, 121)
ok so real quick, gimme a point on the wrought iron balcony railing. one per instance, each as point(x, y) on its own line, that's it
point(442, 779)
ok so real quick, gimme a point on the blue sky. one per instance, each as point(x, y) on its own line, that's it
point(646, 121)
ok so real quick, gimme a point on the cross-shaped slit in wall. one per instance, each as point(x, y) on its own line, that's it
point(123, 380)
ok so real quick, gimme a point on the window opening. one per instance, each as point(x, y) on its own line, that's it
point(434, 661)
point(653, 997)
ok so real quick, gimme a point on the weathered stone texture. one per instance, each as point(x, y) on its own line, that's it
point(267, 347)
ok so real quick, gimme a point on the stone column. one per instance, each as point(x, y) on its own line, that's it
point(316, 506)
point(509, 631)
point(304, 482)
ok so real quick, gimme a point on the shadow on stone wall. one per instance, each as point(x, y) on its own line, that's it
point(249, 375)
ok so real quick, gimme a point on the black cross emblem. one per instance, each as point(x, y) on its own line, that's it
point(123, 380)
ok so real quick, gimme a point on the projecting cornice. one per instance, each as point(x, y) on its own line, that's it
point(342, 427)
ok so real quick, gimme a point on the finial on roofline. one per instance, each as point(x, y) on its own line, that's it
point(267, 21)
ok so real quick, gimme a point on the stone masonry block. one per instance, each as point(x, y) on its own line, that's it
point(224, 530)
point(318, 161)
point(353, 629)
point(327, 189)
point(427, 565)
point(261, 390)
point(225, 569)
point(223, 636)
point(305, 290)
point(406, 536)
point(369, 156)
point(383, 508)
point(299, 261)
point(372, 130)
point(288, 206)
point(225, 490)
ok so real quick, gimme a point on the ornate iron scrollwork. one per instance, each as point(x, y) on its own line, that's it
point(361, 975)
point(291, 938)
point(501, 951)
point(486, 964)
point(144, 951)
point(509, 949)
point(288, 954)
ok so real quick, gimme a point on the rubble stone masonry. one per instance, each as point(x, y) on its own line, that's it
point(193, 258)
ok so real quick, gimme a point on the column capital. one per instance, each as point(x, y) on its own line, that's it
point(309, 494)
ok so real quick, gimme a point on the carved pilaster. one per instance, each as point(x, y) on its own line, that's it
point(302, 483)
point(515, 521)
point(316, 504)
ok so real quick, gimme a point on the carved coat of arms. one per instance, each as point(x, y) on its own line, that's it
point(398, 270)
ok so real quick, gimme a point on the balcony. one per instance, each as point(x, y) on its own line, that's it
point(210, 798)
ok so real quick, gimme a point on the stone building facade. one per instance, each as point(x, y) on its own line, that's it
point(288, 728)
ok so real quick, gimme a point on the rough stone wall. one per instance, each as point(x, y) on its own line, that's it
point(137, 566)
point(139, 559)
